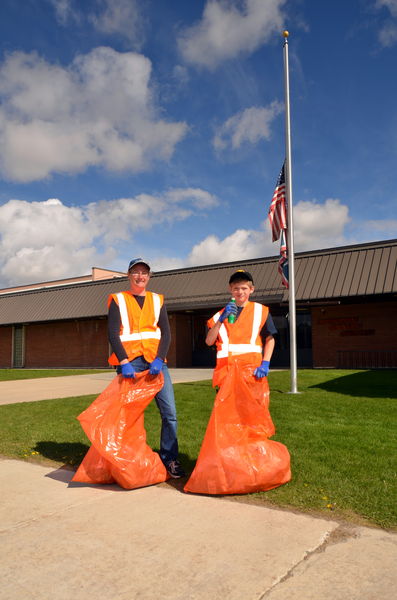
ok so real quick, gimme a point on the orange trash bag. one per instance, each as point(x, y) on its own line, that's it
point(236, 456)
point(114, 423)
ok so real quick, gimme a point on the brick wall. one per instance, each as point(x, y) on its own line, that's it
point(340, 333)
point(67, 344)
point(84, 343)
point(353, 328)
point(5, 347)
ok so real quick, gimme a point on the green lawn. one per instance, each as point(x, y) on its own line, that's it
point(12, 374)
point(340, 431)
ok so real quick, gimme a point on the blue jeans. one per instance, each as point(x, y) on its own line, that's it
point(165, 401)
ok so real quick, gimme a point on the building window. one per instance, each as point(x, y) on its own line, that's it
point(18, 347)
point(281, 356)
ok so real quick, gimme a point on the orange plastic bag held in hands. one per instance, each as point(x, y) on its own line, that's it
point(114, 423)
point(236, 456)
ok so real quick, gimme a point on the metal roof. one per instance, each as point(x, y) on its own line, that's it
point(359, 270)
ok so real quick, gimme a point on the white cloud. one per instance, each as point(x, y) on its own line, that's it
point(315, 226)
point(41, 241)
point(230, 28)
point(390, 4)
point(320, 225)
point(243, 243)
point(388, 32)
point(97, 112)
point(110, 17)
point(122, 17)
point(180, 75)
point(386, 226)
point(249, 125)
point(375, 230)
point(199, 198)
point(64, 11)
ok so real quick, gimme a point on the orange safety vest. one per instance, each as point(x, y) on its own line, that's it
point(240, 339)
point(139, 332)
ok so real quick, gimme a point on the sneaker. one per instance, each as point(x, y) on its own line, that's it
point(175, 469)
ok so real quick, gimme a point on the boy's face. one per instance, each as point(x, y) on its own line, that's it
point(241, 291)
point(139, 278)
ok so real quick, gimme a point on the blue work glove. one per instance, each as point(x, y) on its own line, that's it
point(156, 366)
point(262, 370)
point(230, 309)
point(128, 371)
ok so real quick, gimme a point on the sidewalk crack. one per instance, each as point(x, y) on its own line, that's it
point(338, 536)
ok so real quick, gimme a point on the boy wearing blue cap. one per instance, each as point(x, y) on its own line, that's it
point(139, 334)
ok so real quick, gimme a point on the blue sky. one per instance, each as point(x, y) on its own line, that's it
point(156, 129)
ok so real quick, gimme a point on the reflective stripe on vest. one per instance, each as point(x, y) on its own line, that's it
point(228, 349)
point(127, 336)
point(144, 335)
point(157, 307)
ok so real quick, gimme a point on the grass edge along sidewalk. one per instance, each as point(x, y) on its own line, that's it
point(18, 374)
point(338, 430)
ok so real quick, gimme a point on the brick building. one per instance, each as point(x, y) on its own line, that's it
point(346, 311)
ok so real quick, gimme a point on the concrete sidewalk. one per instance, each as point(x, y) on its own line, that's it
point(65, 541)
point(70, 541)
point(30, 390)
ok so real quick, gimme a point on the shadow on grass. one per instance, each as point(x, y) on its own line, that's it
point(188, 464)
point(70, 453)
point(369, 384)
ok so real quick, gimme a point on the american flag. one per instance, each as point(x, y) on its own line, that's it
point(283, 260)
point(278, 221)
point(277, 211)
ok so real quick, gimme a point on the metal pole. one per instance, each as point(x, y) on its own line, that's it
point(290, 224)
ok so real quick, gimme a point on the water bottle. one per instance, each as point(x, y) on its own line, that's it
point(231, 318)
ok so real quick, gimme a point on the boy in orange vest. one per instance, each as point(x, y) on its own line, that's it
point(139, 334)
point(250, 338)
point(236, 455)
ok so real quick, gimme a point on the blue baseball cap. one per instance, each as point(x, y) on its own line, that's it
point(137, 261)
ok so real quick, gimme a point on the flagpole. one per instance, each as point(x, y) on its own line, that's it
point(290, 224)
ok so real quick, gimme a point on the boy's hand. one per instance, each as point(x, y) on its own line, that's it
point(128, 371)
point(156, 366)
point(262, 370)
point(230, 309)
